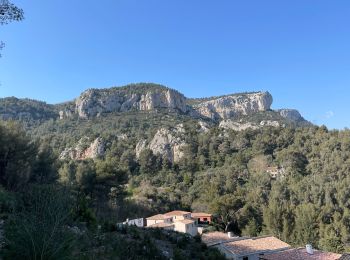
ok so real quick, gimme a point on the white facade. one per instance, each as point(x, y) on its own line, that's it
point(156, 221)
point(181, 221)
point(186, 226)
point(182, 217)
point(139, 222)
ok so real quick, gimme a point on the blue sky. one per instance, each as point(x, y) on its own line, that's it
point(298, 50)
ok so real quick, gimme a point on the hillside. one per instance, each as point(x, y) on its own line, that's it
point(133, 152)
point(143, 97)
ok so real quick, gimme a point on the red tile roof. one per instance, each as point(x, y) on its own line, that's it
point(200, 214)
point(177, 213)
point(214, 238)
point(186, 221)
point(252, 245)
point(301, 254)
point(158, 217)
point(161, 225)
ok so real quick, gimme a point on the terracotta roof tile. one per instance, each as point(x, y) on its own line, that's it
point(158, 217)
point(200, 214)
point(214, 238)
point(161, 225)
point(177, 213)
point(186, 221)
point(301, 254)
point(251, 245)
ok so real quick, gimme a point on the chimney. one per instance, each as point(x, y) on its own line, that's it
point(309, 249)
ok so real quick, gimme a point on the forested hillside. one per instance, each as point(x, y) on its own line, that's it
point(289, 179)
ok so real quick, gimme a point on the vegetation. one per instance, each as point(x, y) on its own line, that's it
point(9, 13)
point(222, 172)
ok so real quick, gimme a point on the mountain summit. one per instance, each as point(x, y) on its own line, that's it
point(148, 97)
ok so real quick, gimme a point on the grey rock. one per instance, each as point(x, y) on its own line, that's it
point(81, 151)
point(93, 102)
point(169, 143)
point(227, 107)
point(290, 114)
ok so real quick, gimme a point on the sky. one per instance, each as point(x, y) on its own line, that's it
point(297, 50)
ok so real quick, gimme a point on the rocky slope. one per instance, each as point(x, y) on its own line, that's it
point(235, 112)
point(84, 150)
point(93, 102)
point(145, 97)
point(232, 106)
point(169, 143)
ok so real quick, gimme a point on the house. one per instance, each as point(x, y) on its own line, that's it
point(302, 254)
point(163, 225)
point(202, 218)
point(160, 218)
point(244, 248)
point(215, 238)
point(178, 215)
point(139, 222)
point(187, 226)
point(176, 220)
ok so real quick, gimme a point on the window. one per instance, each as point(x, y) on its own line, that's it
point(205, 219)
point(245, 258)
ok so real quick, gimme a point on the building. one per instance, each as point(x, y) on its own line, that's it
point(139, 222)
point(176, 220)
point(302, 254)
point(166, 226)
point(187, 226)
point(178, 215)
point(215, 238)
point(202, 218)
point(160, 218)
point(244, 248)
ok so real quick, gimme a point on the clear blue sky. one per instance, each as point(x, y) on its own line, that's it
point(298, 50)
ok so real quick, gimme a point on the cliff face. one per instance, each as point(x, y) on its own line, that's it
point(151, 97)
point(168, 143)
point(94, 102)
point(290, 114)
point(227, 107)
point(84, 150)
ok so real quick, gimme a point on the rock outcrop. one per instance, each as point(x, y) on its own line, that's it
point(168, 143)
point(241, 126)
point(65, 114)
point(82, 151)
point(149, 97)
point(237, 126)
point(94, 101)
point(290, 114)
point(230, 106)
point(203, 127)
point(270, 123)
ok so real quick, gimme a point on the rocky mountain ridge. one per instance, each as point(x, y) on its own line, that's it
point(231, 106)
point(94, 107)
point(145, 97)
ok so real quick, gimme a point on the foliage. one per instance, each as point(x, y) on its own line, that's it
point(222, 172)
point(8, 13)
point(37, 228)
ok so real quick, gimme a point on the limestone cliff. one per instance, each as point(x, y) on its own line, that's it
point(148, 97)
point(241, 126)
point(290, 114)
point(84, 150)
point(96, 101)
point(168, 143)
point(230, 106)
